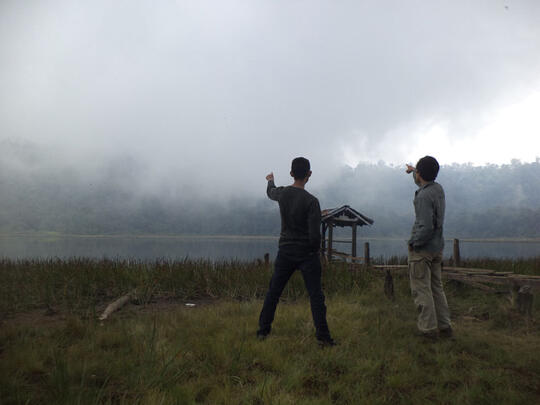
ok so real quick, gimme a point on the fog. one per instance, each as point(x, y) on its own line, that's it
point(194, 97)
point(40, 195)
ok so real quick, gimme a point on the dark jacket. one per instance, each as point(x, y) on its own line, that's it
point(300, 219)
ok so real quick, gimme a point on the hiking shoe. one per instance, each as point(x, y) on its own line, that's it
point(446, 333)
point(261, 336)
point(327, 342)
point(430, 336)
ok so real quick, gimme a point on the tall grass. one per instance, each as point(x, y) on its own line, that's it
point(80, 286)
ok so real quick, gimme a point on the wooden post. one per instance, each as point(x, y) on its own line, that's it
point(323, 237)
point(457, 258)
point(523, 299)
point(267, 258)
point(389, 285)
point(366, 253)
point(330, 236)
point(354, 240)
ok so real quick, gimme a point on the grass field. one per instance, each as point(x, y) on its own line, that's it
point(157, 350)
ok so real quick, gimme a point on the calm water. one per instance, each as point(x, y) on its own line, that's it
point(218, 248)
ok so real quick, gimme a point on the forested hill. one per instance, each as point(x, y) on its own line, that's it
point(488, 201)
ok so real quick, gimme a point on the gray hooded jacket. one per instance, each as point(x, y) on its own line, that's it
point(429, 207)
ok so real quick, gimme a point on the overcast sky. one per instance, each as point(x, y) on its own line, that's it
point(222, 92)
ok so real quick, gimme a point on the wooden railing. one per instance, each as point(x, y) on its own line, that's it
point(470, 276)
point(522, 286)
point(477, 276)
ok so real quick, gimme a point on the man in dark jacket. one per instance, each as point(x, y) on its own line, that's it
point(299, 246)
point(425, 251)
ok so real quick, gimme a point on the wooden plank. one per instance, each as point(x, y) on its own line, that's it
point(353, 240)
point(346, 256)
point(527, 276)
point(391, 266)
point(339, 240)
point(330, 237)
point(323, 236)
point(468, 269)
point(471, 272)
point(338, 253)
point(517, 281)
point(535, 284)
point(468, 281)
point(480, 276)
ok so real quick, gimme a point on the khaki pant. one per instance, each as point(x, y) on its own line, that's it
point(427, 291)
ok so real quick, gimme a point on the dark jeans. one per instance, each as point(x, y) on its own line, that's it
point(284, 267)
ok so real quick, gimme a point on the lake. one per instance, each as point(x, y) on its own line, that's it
point(220, 248)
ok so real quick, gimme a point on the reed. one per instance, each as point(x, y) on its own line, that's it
point(81, 286)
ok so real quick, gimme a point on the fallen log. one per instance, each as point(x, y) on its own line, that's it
point(116, 305)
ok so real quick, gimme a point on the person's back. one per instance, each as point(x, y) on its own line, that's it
point(299, 245)
point(300, 219)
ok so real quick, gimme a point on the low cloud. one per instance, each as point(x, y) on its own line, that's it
point(208, 98)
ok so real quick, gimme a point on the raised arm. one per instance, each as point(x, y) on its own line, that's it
point(272, 191)
point(412, 169)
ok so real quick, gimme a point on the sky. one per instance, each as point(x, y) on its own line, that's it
point(213, 95)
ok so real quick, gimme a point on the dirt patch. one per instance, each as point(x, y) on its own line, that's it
point(49, 318)
point(36, 317)
point(163, 304)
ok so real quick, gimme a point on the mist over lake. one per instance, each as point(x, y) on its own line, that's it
point(164, 119)
point(38, 196)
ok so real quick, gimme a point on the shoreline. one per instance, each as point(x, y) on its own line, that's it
point(46, 234)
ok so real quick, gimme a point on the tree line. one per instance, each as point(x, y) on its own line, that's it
point(484, 201)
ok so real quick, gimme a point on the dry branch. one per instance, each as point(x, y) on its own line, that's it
point(116, 305)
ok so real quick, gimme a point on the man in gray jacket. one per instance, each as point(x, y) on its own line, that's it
point(425, 251)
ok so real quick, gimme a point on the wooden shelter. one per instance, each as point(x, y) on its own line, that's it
point(342, 217)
